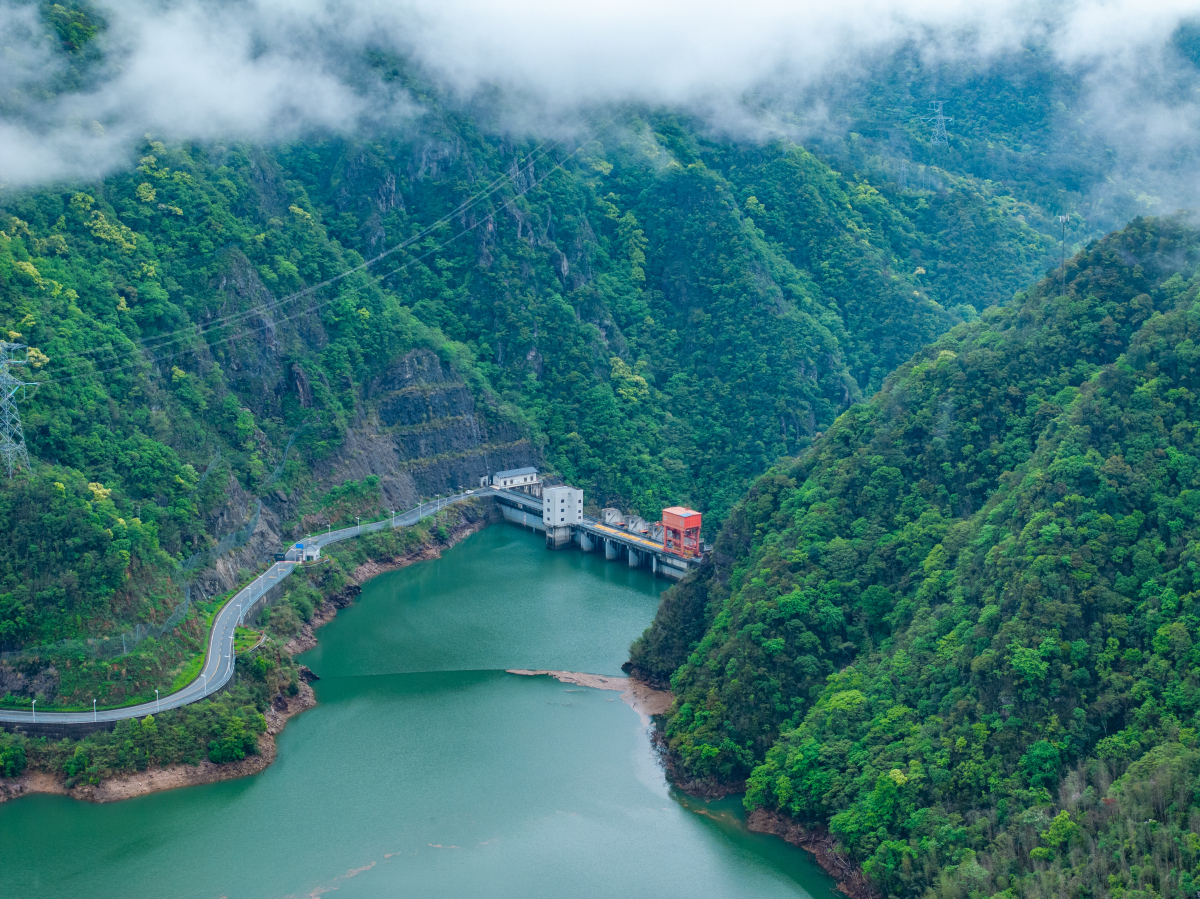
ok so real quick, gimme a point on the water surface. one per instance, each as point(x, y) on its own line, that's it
point(426, 771)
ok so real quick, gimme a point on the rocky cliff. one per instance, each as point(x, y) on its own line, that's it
point(422, 432)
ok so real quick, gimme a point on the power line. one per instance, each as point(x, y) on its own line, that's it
point(378, 278)
point(192, 330)
point(938, 119)
point(12, 437)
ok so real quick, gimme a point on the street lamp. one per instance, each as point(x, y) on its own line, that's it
point(205, 676)
point(157, 705)
point(392, 512)
point(358, 522)
point(35, 710)
point(93, 708)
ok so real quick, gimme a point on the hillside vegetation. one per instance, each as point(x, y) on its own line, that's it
point(234, 345)
point(960, 631)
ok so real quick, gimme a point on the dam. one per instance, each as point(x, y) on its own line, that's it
point(639, 550)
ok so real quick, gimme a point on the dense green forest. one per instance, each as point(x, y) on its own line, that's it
point(950, 614)
point(626, 300)
point(1024, 121)
point(960, 630)
point(648, 313)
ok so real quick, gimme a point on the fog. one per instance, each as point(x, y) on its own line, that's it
point(270, 70)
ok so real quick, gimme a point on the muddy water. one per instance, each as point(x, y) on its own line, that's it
point(427, 771)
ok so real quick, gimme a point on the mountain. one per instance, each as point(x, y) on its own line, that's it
point(959, 631)
point(950, 615)
point(234, 345)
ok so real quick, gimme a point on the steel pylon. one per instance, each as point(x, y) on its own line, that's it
point(938, 119)
point(12, 437)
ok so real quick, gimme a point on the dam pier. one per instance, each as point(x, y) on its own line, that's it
point(669, 548)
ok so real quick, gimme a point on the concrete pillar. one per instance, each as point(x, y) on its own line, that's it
point(633, 558)
point(585, 542)
point(611, 550)
point(654, 564)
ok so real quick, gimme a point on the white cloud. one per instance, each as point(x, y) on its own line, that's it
point(268, 69)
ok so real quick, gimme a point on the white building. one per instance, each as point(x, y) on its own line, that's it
point(515, 479)
point(561, 507)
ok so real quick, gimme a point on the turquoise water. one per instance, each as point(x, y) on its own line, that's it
point(426, 771)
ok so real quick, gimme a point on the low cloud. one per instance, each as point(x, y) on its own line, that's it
point(269, 70)
point(187, 71)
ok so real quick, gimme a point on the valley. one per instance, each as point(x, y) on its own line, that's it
point(901, 306)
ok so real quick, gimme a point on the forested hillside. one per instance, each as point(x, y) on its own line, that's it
point(1027, 120)
point(235, 344)
point(951, 613)
point(672, 315)
point(959, 632)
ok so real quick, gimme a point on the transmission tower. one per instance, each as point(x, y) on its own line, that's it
point(12, 438)
point(938, 119)
point(903, 179)
point(1062, 220)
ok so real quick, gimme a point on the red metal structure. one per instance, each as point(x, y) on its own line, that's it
point(681, 531)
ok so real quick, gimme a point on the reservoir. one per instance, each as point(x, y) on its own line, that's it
point(427, 771)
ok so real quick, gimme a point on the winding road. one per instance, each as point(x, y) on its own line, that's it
point(219, 661)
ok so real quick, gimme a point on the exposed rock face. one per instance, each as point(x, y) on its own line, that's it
point(29, 681)
point(423, 434)
point(251, 358)
point(254, 356)
point(303, 388)
point(232, 515)
point(418, 405)
point(417, 426)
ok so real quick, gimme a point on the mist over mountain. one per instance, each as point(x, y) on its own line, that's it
point(896, 294)
point(87, 82)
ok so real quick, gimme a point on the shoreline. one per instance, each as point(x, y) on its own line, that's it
point(708, 788)
point(849, 876)
point(638, 695)
point(154, 780)
point(645, 699)
point(372, 568)
point(648, 702)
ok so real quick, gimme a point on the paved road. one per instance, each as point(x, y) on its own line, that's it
point(219, 662)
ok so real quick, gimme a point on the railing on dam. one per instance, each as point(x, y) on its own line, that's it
point(591, 534)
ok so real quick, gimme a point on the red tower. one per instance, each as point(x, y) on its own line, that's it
point(681, 531)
